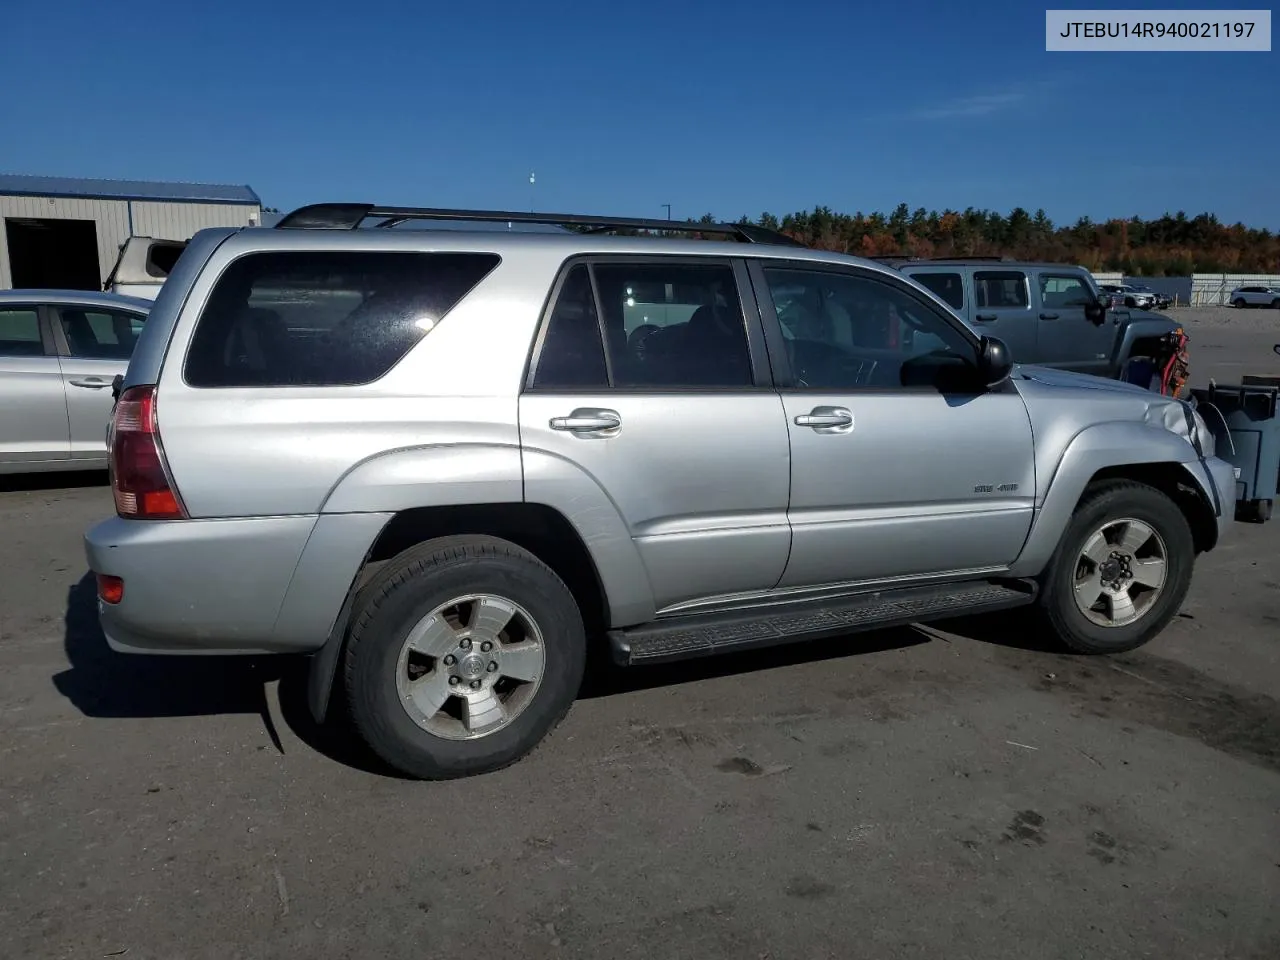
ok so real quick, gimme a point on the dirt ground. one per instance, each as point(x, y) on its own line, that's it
point(958, 792)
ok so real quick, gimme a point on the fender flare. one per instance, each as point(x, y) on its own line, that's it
point(447, 475)
point(1103, 445)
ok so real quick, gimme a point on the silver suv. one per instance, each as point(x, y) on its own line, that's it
point(444, 462)
point(1255, 296)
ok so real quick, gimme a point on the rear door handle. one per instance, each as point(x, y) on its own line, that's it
point(1048, 316)
point(985, 317)
point(93, 383)
point(581, 421)
point(825, 417)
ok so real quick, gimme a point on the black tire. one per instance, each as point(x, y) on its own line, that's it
point(1115, 500)
point(407, 589)
point(1238, 303)
point(1275, 304)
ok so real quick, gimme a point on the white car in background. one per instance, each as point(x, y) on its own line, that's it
point(59, 352)
point(1256, 295)
point(1131, 297)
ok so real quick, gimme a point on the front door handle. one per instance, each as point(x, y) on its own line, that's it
point(984, 317)
point(828, 417)
point(582, 421)
point(93, 383)
point(1048, 316)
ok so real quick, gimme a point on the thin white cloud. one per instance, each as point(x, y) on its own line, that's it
point(976, 106)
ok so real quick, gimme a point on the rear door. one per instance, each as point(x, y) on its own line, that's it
point(650, 387)
point(33, 408)
point(1067, 337)
point(94, 344)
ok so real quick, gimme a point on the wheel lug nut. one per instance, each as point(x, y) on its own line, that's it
point(475, 684)
point(450, 660)
point(453, 681)
point(493, 666)
point(486, 646)
point(466, 644)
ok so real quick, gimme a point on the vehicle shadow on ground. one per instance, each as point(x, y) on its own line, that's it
point(103, 683)
point(55, 480)
point(106, 684)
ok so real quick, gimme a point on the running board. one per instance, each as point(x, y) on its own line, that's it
point(679, 638)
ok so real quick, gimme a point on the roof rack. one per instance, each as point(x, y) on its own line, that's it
point(958, 256)
point(349, 216)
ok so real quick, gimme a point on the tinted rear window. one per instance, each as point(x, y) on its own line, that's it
point(324, 319)
point(948, 286)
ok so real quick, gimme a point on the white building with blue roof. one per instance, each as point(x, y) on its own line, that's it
point(67, 232)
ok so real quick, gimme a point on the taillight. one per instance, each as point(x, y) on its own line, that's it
point(139, 476)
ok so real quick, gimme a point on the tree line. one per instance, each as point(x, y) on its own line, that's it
point(1172, 245)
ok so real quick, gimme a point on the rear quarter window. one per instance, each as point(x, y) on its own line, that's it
point(299, 318)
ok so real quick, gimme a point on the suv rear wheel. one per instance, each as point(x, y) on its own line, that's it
point(465, 652)
point(1121, 571)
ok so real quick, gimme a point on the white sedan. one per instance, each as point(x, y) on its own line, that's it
point(59, 351)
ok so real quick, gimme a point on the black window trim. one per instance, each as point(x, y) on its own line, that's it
point(760, 366)
point(207, 296)
point(783, 376)
point(44, 323)
point(1026, 283)
point(59, 336)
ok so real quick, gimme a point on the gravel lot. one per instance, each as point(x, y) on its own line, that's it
point(935, 793)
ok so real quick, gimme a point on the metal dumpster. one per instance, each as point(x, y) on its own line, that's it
point(1246, 430)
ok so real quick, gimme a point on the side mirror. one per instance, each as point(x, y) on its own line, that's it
point(1097, 312)
point(994, 362)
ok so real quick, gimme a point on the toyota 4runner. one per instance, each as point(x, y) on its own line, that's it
point(443, 462)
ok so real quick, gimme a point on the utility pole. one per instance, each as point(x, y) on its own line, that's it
point(531, 181)
point(668, 206)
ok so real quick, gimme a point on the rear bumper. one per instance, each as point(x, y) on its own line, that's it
point(237, 586)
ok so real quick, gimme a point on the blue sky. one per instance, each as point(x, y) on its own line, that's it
point(728, 108)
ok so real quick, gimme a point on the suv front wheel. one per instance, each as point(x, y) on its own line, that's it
point(464, 653)
point(1121, 571)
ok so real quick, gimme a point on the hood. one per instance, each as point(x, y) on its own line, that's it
point(1108, 399)
point(1084, 381)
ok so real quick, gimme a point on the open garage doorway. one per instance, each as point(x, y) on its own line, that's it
point(53, 254)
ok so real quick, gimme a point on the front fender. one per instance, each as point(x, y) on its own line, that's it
point(1093, 449)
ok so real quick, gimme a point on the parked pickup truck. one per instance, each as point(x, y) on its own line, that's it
point(1051, 314)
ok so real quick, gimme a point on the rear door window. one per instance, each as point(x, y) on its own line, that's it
point(948, 286)
point(301, 318)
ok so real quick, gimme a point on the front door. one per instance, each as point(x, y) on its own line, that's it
point(33, 408)
point(673, 427)
point(899, 467)
point(96, 345)
point(1068, 338)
